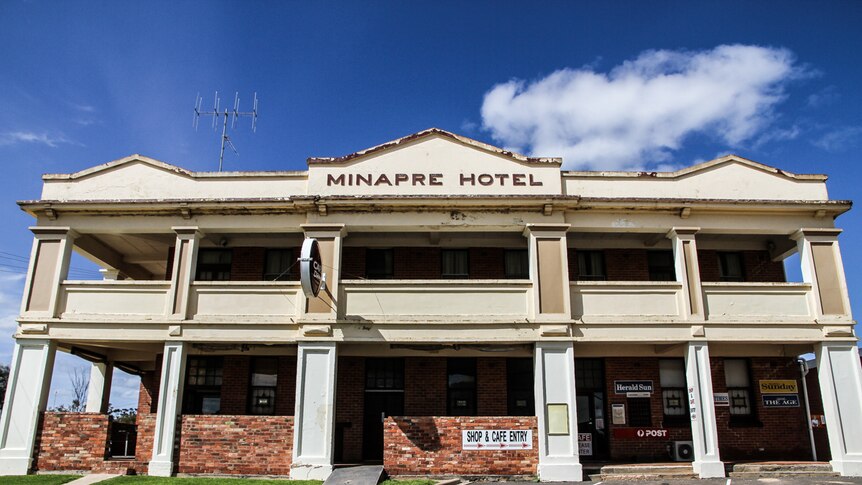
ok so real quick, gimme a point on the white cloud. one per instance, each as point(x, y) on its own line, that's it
point(15, 137)
point(840, 139)
point(636, 114)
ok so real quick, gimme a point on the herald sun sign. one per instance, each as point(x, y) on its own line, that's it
point(310, 268)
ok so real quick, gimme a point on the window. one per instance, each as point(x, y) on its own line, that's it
point(517, 264)
point(640, 412)
point(384, 374)
point(738, 382)
point(264, 378)
point(730, 267)
point(661, 266)
point(279, 264)
point(214, 265)
point(519, 380)
point(461, 375)
point(673, 391)
point(591, 266)
point(203, 381)
point(456, 263)
point(378, 264)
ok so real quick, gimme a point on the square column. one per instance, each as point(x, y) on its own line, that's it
point(329, 237)
point(185, 266)
point(26, 397)
point(822, 268)
point(556, 411)
point(99, 390)
point(704, 432)
point(688, 271)
point(49, 266)
point(169, 408)
point(314, 417)
point(840, 376)
point(549, 271)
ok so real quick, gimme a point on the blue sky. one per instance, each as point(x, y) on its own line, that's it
point(629, 84)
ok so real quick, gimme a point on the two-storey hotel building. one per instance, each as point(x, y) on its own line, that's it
point(484, 313)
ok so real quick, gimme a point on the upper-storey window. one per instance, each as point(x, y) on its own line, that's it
point(591, 266)
point(214, 265)
point(379, 264)
point(278, 265)
point(661, 266)
point(517, 264)
point(456, 263)
point(730, 266)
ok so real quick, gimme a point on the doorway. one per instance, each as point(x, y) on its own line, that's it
point(592, 409)
point(384, 396)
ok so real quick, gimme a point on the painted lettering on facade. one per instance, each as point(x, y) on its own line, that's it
point(432, 179)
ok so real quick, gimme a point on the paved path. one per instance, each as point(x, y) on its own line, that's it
point(93, 478)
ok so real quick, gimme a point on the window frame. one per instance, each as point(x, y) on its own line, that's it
point(389, 263)
point(722, 266)
point(454, 276)
point(220, 268)
point(518, 387)
point(675, 392)
point(470, 393)
point(736, 418)
point(602, 275)
point(196, 393)
point(286, 273)
point(654, 269)
point(526, 259)
point(273, 389)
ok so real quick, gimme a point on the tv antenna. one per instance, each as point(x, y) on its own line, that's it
point(217, 113)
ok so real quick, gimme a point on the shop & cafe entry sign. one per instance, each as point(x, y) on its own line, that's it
point(496, 439)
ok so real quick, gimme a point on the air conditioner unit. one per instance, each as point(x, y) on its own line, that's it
point(682, 451)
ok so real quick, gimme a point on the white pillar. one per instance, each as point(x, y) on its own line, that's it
point(185, 266)
point(840, 376)
point(26, 397)
point(314, 417)
point(688, 271)
point(822, 268)
point(169, 408)
point(556, 411)
point(99, 389)
point(49, 266)
point(704, 432)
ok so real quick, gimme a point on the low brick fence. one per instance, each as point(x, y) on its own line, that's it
point(241, 445)
point(432, 446)
point(71, 441)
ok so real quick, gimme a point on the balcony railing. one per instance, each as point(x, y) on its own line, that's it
point(639, 301)
point(429, 300)
point(757, 301)
point(245, 300)
point(118, 300)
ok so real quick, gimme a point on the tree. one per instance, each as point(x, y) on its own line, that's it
point(79, 378)
point(4, 378)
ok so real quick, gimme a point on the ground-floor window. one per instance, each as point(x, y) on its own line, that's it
point(264, 379)
point(203, 390)
point(738, 379)
point(461, 377)
point(519, 385)
point(673, 392)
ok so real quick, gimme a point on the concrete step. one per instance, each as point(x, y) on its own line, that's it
point(782, 469)
point(356, 475)
point(658, 471)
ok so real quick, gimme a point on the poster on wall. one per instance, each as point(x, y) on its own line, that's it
point(585, 444)
point(618, 413)
point(780, 400)
point(497, 439)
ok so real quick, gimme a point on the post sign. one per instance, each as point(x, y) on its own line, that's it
point(497, 439)
point(640, 433)
point(778, 387)
point(585, 444)
point(633, 388)
point(780, 400)
point(310, 268)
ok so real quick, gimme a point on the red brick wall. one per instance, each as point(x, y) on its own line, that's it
point(352, 263)
point(491, 386)
point(425, 263)
point(781, 433)
point(234, 388)
point(350, 406)
point(244, 445)
point(432, 446)
point(642, 368)
point(487, 263)
point(285, 390)
point(417, 263)
point(146, 434)
point(71, 441)
point(758, 267)
point(247, 264)
point(425, 386)
point(627, 264)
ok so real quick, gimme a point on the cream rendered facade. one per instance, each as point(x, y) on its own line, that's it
point(436, 189)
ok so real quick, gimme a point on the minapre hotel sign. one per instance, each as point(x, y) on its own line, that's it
point(432, 179)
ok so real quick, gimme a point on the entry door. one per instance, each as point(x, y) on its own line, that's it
point(592, 414)
point(384, 396)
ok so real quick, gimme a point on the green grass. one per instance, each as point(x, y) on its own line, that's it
point(38, 479)
point(135, 480)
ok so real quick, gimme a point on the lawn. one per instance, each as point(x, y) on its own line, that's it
point(38, 479)
point(143, 480)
